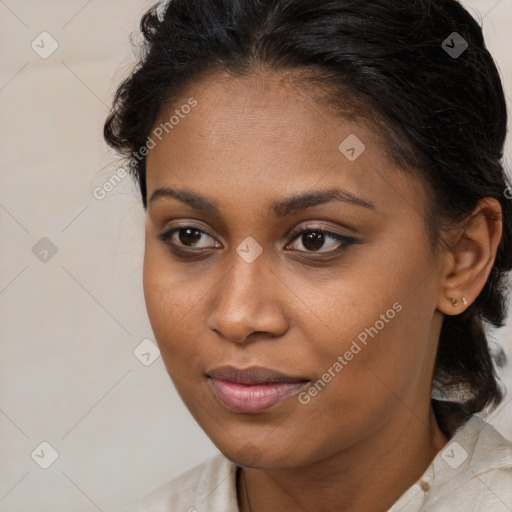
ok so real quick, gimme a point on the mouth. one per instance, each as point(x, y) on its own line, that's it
point(252, 390)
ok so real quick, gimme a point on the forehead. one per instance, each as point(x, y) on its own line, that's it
point(262, 133)
point(281, 102)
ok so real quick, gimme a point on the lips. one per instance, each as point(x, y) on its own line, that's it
point(252, 375)
point(252, 390)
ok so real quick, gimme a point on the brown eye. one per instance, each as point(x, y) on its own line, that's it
point(187, 236)
point(313, 240)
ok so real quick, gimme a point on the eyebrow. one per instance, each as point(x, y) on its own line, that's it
point(280, 208)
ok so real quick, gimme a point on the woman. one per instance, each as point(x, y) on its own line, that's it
point(328, 235)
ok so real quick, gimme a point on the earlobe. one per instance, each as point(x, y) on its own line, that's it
point(455, 302)
point(452, 306)
point(470, 261)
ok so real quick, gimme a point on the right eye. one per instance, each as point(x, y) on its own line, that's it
point(187, 237)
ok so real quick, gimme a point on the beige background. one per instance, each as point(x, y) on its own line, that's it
point(69, 325)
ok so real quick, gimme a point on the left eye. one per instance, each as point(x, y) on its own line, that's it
point(314, 239)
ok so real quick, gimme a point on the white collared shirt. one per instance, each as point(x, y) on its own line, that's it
point(472, 473)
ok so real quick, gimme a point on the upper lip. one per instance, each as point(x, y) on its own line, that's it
point(251, 375)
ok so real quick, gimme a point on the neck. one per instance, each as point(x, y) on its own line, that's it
point(371, 475)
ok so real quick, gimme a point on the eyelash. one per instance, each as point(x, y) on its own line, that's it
point(344, 241)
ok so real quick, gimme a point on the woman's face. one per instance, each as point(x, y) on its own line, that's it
point(354, 319)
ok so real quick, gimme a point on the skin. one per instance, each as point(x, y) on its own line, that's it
point(371, 432)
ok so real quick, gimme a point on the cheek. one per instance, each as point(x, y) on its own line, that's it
point(166, 289)
point(377, 319)
point(157, 293)
point(173, 305)
point(164, 305)
point(361, 370)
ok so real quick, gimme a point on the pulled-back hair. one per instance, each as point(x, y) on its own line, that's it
point(443, 116)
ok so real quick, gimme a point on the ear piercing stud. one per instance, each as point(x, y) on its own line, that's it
point(455, 302)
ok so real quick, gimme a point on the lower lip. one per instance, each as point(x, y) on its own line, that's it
point(256, 398)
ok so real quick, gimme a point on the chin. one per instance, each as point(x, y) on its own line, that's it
point(252, 457)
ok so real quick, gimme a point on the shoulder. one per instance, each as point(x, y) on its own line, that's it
point(209, 486)
point(474, 470)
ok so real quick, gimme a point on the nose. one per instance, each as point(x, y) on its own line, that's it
point(249, 303)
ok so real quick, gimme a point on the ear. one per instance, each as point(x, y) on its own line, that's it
point(468, 264)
